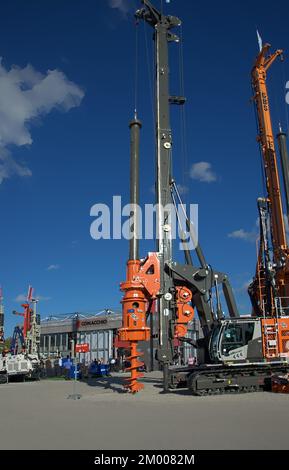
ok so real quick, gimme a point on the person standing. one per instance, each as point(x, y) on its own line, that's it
point(67, 367)
point(60, 365)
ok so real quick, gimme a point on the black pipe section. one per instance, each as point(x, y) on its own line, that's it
point(199, 251)
point(282, 137)
point(135, 126)
point(188, 256)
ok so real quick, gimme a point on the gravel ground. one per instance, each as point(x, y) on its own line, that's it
point(38, 415)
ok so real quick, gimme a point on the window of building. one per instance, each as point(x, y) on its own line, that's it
point(52, 341)
point(46, 342)
point(57, 340)
point(94, 336)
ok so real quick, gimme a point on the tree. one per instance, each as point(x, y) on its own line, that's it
point(6, 344)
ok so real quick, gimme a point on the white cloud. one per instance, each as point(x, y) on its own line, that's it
point(202, 171)
point(242, 234)
point(182, 189)
point(42, 298)
point(121, 5)
point(23, 298)
point(25, 95)
point(9, 167)
point(244, 286)
point(53, 267)
point(252, 235)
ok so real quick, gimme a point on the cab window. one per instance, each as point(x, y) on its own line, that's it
point(236, 335)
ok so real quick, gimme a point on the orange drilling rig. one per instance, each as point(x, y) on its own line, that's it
point(26, 339)
point(236, 354)
point(269, 291)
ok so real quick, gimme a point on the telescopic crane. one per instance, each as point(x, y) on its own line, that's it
point(236, 353)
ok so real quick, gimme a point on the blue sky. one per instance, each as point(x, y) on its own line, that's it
point(65, 146)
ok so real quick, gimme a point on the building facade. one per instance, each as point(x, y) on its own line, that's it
point(59, 335)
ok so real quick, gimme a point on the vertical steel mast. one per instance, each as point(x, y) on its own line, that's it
point(1, 317)
point(162, 25)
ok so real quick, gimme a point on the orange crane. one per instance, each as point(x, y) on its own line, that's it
point(30, 331)
point(269, 290)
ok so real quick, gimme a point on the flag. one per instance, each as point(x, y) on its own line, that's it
point(260, 42)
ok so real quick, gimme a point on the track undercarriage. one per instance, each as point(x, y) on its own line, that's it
point(220, 379)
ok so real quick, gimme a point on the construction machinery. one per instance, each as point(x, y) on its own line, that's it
point(269, 291)
point(18, 366)
point(236, 354)
point(27, 338)
point(23, 358)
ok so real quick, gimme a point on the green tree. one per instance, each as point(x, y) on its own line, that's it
point(6, 345)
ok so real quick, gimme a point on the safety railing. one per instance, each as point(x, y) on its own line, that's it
point(282, 306)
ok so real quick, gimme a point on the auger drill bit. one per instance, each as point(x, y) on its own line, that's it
point(133, 385)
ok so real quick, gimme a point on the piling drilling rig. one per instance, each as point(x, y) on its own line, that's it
point(23, 358)
point(174, 288)
point(27, 337)
point(269, 290)
point(236, 352)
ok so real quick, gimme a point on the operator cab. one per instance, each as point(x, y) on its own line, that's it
point(236, 340)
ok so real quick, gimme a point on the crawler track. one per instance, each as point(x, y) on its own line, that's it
point(230, 380)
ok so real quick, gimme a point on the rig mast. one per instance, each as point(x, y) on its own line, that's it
point(1, 317)
point(269, 290)
point(162, 26)
point(175, 288)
